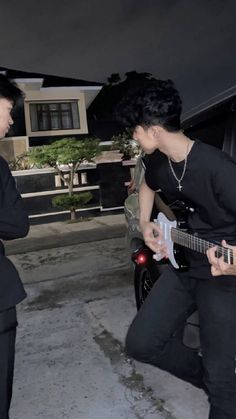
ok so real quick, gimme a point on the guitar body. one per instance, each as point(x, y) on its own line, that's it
point(176, 211)
point(175, 252)
point(179, 251)
point(179, 255)
point(172, 233)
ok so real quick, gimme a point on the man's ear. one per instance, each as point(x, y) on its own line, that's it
point(155, 130)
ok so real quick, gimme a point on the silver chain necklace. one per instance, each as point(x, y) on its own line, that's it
point(179, 180)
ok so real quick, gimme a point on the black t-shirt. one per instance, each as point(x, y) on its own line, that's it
point(14, 223)
point(209, 186)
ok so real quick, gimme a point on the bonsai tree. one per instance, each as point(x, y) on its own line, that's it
point(72, 202)
point(125, 144)
point(66, 155)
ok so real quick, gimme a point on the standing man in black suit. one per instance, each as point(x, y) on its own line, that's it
point(13, 224)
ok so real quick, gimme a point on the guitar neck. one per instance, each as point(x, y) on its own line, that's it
point(199, 245)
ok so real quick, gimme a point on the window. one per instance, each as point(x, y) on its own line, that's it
point(54, 116)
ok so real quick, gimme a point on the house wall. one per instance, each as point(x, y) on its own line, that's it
point(11, 147)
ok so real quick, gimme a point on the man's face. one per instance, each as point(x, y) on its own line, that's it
point(5, 116)
point(146, 139)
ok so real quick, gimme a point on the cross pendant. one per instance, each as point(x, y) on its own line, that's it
point(179, 187)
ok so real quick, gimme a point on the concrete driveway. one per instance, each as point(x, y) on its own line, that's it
point(70, 359)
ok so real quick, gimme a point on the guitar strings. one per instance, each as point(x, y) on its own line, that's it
point(201, 245)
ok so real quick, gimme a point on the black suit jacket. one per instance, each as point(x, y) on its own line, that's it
point(14, 223)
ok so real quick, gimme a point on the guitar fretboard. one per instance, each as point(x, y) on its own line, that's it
point(199, 245)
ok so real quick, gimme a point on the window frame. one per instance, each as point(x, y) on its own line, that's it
point(49, 115)
point(35, 97)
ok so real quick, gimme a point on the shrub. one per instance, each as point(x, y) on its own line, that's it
point(125, 144)
point(72, 202)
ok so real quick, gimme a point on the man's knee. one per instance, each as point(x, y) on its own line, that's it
point(135, 348)
point(141, 347)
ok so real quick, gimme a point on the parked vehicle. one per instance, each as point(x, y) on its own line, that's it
point(214, 122)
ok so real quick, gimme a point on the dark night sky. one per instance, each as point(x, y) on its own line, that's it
point(191, 41)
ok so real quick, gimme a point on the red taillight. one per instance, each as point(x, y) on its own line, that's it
point(141, 259)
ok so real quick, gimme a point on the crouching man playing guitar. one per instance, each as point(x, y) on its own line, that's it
point(200, 175)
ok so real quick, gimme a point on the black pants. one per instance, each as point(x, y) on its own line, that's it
point(152, 336)
point(8, 323)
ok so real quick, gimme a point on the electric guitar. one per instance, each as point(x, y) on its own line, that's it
point(172, 234)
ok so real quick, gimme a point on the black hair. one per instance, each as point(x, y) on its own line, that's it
point(156, 102)
point(9, 90)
